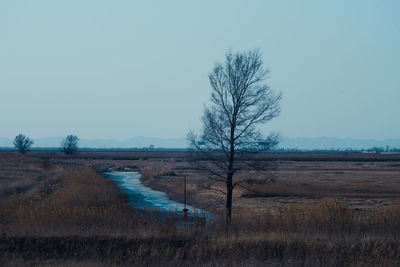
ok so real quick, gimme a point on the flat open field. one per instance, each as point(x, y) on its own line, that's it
point(297, 209)
point(364, 182)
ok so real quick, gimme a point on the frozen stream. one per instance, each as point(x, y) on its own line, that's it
point(144, 197)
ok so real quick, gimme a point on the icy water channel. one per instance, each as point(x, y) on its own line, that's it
point(143, 197)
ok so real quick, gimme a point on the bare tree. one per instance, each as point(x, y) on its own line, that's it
point(23, 143)
point(240, 100)
point(70, 144)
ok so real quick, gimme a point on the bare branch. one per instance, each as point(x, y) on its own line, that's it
point(240, 100)
point(70, 144)
point(23, 143)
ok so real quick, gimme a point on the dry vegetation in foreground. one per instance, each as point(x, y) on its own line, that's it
point(60, 213)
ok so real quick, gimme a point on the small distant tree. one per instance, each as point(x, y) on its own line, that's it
point(70, 144)
point(23, 143)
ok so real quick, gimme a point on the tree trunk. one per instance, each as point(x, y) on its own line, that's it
point(229, 178)
point(229, 190)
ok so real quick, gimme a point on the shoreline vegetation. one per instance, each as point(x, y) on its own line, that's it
point(58, 210)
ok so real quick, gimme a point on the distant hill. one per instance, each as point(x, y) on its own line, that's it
point(141, 142)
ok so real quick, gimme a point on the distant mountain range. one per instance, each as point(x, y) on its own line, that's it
point(141, 142)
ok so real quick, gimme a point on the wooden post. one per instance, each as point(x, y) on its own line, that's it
point(185, 210)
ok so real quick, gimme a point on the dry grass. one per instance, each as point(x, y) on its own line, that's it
point(73, 216)
point(319, 188)
point(83, 204)
point(153, 169)
point(366, 185)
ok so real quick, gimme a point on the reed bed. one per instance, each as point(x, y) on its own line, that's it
point(82, 219)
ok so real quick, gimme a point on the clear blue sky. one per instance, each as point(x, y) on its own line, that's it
point(118, 69)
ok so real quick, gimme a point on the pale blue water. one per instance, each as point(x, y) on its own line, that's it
point(143, 197)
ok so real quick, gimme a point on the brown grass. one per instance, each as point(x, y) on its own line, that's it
point(152, 170)
point(74, 216)
point(83, 204)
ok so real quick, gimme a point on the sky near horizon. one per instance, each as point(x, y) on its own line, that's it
point(119, 69)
